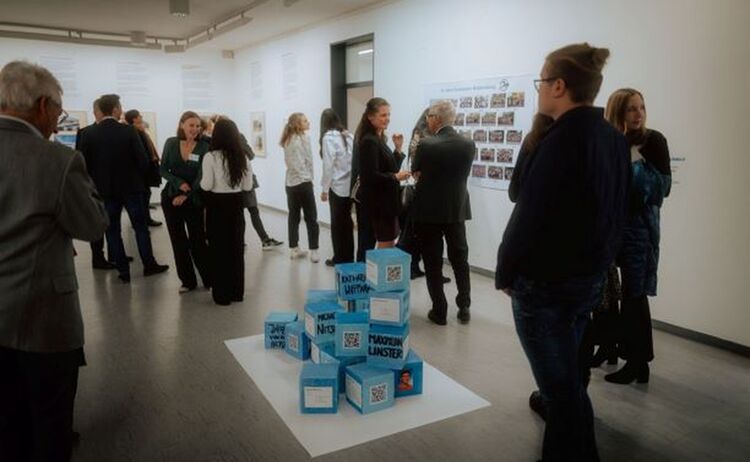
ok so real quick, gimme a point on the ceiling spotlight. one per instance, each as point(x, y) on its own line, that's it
point(365, 52)
point(179, 8)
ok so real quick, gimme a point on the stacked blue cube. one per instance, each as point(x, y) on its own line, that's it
point(368, 388)
point(319, 388)
point(297, 342)
point(275, 328)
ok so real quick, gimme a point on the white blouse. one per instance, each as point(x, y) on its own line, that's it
point(298, 159)
point(337, 162)
point(215, 177)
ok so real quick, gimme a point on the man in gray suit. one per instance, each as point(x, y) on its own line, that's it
point(47, 199)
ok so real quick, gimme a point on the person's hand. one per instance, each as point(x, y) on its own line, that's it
point(185, 187)
point(324, 196)
point(401, 176)
point(179, 200)
point(416, 175)
point(398, 141)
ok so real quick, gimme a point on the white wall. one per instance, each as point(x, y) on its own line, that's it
point(690, 58)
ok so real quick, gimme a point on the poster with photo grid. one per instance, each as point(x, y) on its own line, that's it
point(496, 114)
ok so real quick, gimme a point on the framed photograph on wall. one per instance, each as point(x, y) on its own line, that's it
point(257, 138)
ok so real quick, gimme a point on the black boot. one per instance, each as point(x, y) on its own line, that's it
point(602, 354)
point(629, 373)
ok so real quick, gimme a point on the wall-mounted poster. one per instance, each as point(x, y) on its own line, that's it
point(258, 133)
point(499, 113)
point(67, 131)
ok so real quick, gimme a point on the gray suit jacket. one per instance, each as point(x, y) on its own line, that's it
point(46, 200)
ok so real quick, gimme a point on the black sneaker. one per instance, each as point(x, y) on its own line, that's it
point(464, 316)
point(536, 403)
point(154, 269)
point(153, 223)
point(436, 319)
point(330, 262)
point(103, 265)
point(270, 243)
point(417, 273)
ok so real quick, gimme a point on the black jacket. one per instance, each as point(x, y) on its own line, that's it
point(569, 217)
point(444, 163)
point(380, 190)
point(115, 158)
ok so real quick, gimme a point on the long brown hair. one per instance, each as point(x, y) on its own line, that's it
point(580, 66)
point(617, 108)
point(293, 127)
point(185, 116)
point(365, 126)
point(226, 138)
point(329, 120)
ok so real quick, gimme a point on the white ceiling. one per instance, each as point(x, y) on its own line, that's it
point(270, 17)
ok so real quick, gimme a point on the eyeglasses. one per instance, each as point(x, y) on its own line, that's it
point(538, 82)
point(63, 117)
point(431, 115)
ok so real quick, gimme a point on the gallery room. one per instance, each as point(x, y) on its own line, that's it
point(369, 230)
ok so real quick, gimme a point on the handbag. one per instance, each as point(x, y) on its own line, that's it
point(354, 195)
point(255, 182)
point(407, 196)
point(153, 177)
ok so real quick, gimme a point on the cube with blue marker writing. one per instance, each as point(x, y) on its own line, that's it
point(317, 349)
point(275, 328)
point(369, 389)
point(409, 379)
point(388, 346)
point(319, 389)
point(390, 308)
point(320, 320)
point(351, 334)
point(388, 269)
point(351, 281)
point(297, 341)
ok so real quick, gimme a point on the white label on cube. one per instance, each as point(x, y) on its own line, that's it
point(318, 397)
point(372, 272)
point(353, 391)
point(315, 353)
point(293, 342)
point(384, 309)
point(310, 325)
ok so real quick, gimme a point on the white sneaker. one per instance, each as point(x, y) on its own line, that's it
point(314, 256)
point(295, 252)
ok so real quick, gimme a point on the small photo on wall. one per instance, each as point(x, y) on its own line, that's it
point(487, 155)
point(517, 99)
point(506, 118)
point(480, 136)
point(460, 118)
point(479, 171)
point(505, 155)
point(498, 100)
point(489, 118)
point(508, 173)
point(476, 153)
point(465, 133)
point(497, 136)
point(514, 136)
point(473, 118)
point(494, 172)
point(481, 101)
point(466, 102)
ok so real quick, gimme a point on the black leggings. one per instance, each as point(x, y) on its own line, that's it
point(300, 198)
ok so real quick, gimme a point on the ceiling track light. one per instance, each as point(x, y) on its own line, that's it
point(179, 8)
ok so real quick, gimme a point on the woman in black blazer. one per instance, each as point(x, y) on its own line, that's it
point(379, 174)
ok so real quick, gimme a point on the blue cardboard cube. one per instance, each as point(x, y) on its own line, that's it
point(351, 281)
point(318, 349)
point(369, 389)
point(319, 389)
point(320, 320)
point(409, 378)
point(297, 342)
point(390, 308)
point(275, 328)
point(388, 269)
point(351, 334)
point(321, 295)
point(388, 346)
point(342, 364)
point(359, 306)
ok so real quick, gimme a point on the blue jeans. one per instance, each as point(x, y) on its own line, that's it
point(135, 205)
point(550, 319)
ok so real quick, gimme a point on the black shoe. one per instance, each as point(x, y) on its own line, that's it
point(270, 243)
point(630, 372)
point(330, 262)
point(152, 206)
point(152, 222)
point(417, 273)
point(436, 319)
point(536, 403)
point(154, 269)
point(464, 316)
point(603, 354)
point(102, 265)
point(125, 278)
point(446, 280)
point(127, 257)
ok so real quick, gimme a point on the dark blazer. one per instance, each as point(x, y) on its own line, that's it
point(444, 163)
point(47, 200)
point(380, 190)
point(116, 158)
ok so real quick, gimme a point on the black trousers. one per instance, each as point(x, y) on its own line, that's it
point(365, 234)
point(134, 204)
point(300, 198)
point(188, 237)
point(97, 251)
point(408, 241)
point(342, 228)
point(636, 338)
point(37, 392)
point(431, 238)
point(225, 226)
point(257, 223)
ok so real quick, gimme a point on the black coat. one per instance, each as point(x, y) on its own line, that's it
point(380, 190)
point(444, 163)
point(115, 158)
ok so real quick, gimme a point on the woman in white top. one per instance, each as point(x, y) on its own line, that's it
point(299, 187)
point(336, 151)
point(226, 173)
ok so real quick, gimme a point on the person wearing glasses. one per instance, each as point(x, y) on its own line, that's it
point(561, 238)
point(118, 165)
point(639, 256)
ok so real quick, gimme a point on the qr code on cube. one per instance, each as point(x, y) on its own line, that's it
point(393, 273)
point(353, 340)
point(293, 343)
point(378, 393)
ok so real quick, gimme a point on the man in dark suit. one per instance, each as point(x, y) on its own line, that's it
point(47, 199)
point(118, 164)
point(441, 206)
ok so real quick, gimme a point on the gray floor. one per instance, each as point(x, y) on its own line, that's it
point(161, 386)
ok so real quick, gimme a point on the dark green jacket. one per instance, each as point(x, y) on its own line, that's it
point(177, 171)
